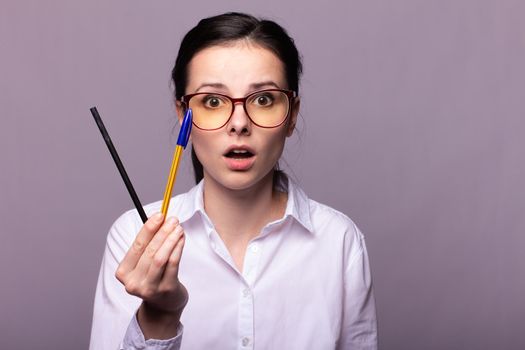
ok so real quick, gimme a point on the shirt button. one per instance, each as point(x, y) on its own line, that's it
point(246, 292)
point(254, 247)
point(245, 341)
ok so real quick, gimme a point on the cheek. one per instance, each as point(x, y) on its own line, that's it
point(275, 143)
point(202, 144)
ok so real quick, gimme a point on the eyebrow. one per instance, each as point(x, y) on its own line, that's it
point(263, 84)
point(212, 85)
point(253, 87)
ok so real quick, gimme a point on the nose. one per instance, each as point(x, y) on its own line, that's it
point(239, 122)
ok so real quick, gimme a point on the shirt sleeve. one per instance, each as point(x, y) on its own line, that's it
point(134, 339)
point(359, 328)
point(114, 323)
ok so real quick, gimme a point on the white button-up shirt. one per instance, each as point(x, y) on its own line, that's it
point(305, 283)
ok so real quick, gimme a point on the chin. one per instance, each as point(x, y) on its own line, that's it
point(240, 180)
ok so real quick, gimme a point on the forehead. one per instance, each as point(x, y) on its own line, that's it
point(236, 66)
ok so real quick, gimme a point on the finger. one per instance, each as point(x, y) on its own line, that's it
point(156, 242)
point(172, 268)
point(140, 243)
point(160, 260)
point(146, 259)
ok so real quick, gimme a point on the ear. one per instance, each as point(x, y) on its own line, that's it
point(296, 104)
point(179, 107)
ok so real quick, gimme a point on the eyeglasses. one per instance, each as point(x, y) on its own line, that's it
point(267, 108)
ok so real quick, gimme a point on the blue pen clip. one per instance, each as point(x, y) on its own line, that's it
point(185, 129)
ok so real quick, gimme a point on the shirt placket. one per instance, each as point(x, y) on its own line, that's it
point(246, 296)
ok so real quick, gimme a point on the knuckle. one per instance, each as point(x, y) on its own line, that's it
point(150, 251)
point(148, 289)
point(138, 246)
point(166, 289)
point(158, 261)
point(141, 290)
point(166, 229)
point(175, 220)
point(148, 293)
point(174, 261)
point(179, 230)
point(172, 238)
point(181, 242)
point(151, 224)
point(131, 288)
point(120, 275)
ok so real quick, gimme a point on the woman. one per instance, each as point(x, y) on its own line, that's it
point(244, 259)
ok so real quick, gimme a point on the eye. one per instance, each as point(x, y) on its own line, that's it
point(213, 101)
point(263, 99)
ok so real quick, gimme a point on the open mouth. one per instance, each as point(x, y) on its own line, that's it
point(239, 154)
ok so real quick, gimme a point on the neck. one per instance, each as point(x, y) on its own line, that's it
point(240, 215)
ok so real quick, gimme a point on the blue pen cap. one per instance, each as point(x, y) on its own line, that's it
point(185, 129)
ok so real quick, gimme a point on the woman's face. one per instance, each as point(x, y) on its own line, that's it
point(237, 70)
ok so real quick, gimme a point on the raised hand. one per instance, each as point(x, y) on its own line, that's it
point(149, 271)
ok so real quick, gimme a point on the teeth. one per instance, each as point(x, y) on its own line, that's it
point(239, 151)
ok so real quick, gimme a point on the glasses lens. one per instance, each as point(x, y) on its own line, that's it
point(210, 111)
point(268, 108)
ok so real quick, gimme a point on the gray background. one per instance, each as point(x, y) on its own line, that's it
point(412, 124)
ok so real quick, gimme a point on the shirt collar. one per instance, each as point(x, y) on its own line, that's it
point(191, 203)
point(297, 206)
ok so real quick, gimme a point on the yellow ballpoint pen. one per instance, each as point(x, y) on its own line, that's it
point(182, 141)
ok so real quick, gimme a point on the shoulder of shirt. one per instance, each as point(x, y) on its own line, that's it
point(322, 210)
point(322, 214)
point(335, 226)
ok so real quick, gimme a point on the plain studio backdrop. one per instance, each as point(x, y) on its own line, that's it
point(412, 124)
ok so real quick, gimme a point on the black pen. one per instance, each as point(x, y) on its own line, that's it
point(118, 163)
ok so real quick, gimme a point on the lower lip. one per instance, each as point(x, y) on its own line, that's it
point(239, 163)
